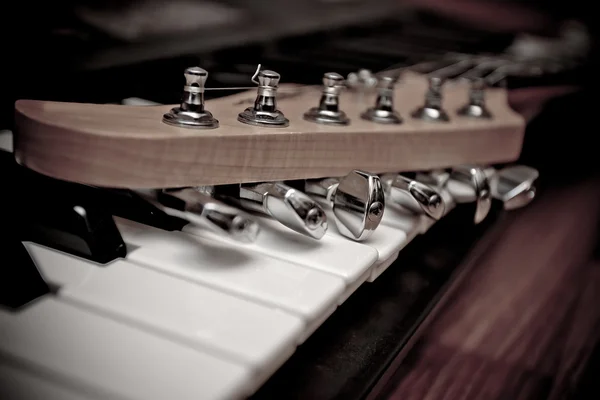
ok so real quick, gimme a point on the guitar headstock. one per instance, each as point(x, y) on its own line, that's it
point(281, 132)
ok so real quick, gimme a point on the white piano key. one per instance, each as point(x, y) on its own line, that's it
point(68, 342)
point(409, 223)
point(17, 383)
point(386, 240)
point(69, 273)
point(347, 259)
point(193, 314)
point(302, 291)
point(6, 141)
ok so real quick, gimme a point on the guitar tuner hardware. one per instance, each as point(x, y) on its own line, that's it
point(432, 110)
point(476, 108)
point(414, 196)
point(357, 201)
point(328, 112)
point(514, 185)
point(265, 112)
point(202, 210)
point(469, 183)
point(383, 112)
point(361, 80)
point(191, 112)
point(287, 205)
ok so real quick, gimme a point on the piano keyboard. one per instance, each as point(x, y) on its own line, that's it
point(186, 314)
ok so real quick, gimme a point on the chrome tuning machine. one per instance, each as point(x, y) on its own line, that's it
point(513, 185)
point(384, 112)
point(289, 206)
point(328, 112)
point(432, 110)
point(192, 205)
point(361, 80)
point(264, 112)
point(468, 184)
point(475, 107)
point(357, 201)
point(414, 195)
point(191, 112)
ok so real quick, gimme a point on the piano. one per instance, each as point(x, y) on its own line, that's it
point(109, 297)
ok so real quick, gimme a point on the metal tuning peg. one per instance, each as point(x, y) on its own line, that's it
point(285, 204)
point(513, 185)
point(191, 112)
point(328, 112)
point(384, 112)
point(414, 196)
point(475, 107)
point(432, 110)
point(357, 201)
point(200, 209)
point(361, 80)
point(469, 183)
point(264, 112)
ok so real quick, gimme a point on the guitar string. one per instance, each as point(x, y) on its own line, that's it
point(463, 59)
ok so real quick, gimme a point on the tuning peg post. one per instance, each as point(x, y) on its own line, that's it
point(191, 112)
point(328, 112)
point(475, 107)
point(384, 112)
point(265, 112)
point(432, 110)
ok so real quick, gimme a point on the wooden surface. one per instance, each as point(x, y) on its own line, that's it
point(126, 146)
point(524, 321)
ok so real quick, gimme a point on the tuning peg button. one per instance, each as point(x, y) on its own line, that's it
point(469, 183)
point(432, 110)
point(513, 185)
point(264, 112)
point(287, 205)
point(357, 201)
point(202, 210)
point(328, 112)
point(413, 195)
point(191, 112)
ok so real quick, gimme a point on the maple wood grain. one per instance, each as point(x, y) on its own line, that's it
point(128, 146)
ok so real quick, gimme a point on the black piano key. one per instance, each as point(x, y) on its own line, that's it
point(20, 281)
point(58, 214)
point(78, 229)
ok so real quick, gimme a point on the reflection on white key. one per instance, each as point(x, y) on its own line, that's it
point(6, 141)
point(409, 223)
point(190, 313)
point(110, 357)
point(338, 256)
point(17, 383)
point(303, 291)
point(387, 240)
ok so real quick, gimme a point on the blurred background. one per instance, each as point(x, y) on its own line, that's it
point(104, 51)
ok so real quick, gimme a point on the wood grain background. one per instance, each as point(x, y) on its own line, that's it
point(524, 322)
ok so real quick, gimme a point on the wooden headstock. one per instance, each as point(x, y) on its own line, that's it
point(131, 147)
